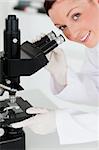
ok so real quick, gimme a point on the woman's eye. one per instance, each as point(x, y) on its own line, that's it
point(62, 27)
point(76, 16)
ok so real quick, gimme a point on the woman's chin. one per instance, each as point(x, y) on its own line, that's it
point(91, 45)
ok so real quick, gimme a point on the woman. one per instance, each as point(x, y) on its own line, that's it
point(79, 21)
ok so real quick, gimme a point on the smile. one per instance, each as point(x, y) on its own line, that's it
point(83, 39)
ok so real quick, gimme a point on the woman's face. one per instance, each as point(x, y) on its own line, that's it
point(78, 19)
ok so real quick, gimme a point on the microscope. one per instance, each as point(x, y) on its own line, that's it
point(15, 61)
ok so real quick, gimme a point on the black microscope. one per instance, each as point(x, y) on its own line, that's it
point(15, 61)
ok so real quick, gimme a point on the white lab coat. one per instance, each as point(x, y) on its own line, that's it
point(83, 88)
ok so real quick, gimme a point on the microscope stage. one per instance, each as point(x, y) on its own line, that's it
point(16, 113)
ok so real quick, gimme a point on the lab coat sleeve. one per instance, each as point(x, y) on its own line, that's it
point(81, 87)
point(73, 129)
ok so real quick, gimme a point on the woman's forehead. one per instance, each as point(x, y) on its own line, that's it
point(61, 8)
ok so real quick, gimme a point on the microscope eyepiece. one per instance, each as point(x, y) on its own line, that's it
point(51, 35)
point(35, 51)
point(52, 44)
point(44, 40)
point(11, 17)
point(12, 23)
point(60, 39)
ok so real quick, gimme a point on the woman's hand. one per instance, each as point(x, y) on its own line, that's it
point(57, 66)
point(43, 123)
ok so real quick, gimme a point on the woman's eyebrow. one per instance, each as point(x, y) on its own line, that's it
point(70, 11)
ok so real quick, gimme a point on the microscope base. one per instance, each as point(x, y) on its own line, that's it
point(13, 140)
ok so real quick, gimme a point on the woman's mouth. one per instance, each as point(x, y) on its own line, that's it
point(85, 38)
